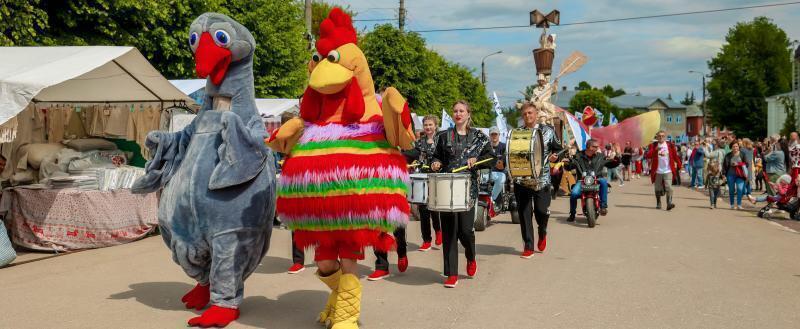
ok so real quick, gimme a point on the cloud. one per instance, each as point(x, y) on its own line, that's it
point(652, 56)
point(688, 47)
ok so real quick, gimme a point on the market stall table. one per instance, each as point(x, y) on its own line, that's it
point(73, 219)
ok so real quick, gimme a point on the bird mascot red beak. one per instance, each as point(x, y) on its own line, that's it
point(211, 60)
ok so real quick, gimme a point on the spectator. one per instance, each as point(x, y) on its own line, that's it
point(735, 169)
point(696, 160)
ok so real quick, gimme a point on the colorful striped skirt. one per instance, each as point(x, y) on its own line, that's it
point(343, 184)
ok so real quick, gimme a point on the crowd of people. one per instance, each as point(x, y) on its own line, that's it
point(719, 166)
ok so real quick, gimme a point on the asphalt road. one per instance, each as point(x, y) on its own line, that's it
point(639, 268)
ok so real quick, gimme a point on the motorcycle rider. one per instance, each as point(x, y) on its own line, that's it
point(590, 160)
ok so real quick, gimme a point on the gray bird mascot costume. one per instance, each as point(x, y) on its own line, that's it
point(217, 175)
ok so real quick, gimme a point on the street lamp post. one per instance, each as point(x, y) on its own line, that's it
point(703, 103)
point(483, 66)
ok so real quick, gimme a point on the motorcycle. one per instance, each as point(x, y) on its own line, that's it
point(590, 197)
point(486, 208)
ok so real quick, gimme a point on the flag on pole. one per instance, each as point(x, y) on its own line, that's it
point(578, 131)
point(500, 119)
point(600, 117)
point(579, 116)
point(447, 121)
point(612, 120)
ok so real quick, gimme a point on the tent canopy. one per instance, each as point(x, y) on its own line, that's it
point(274, 107)
point(189, 86)
point(92, 74)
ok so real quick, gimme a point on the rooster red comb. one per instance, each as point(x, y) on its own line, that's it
point(335, 31)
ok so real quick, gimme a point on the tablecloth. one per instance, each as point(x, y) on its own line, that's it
point(72, 219)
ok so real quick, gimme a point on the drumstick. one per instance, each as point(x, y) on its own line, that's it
point(476, 163)
point(417, 164)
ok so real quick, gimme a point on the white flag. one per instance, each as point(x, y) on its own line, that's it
point(447, 121)
point(500, 119)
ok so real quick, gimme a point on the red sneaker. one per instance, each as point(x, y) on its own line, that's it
point(215, 316)
point(438, 238)
point(296, 268)
point(378, 275)
point(425, 246)
point(527, 254)
point(472, 268)
point(451, 282)
point(402, 264)
point(542, 245)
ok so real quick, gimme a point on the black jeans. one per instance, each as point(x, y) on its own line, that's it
point(382, 258)
point(426, 218)
point(532, 203)
point(457, 226)
point(298, 255)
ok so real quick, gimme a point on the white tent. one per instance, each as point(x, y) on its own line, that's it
point(274, 107)
point(189, 86)
point(93, 74)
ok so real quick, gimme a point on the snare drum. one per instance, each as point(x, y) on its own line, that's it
point(449, 192)
point(418, 189)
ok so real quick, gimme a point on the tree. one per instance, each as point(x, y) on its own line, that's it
point(688, 100)
point(20, 22)
point(753, 64)
point(594, 98)
point(429, 82)
point(583, 85)
point(160, 32)
point(320, 11)
point(610, 92)
point(790, 124)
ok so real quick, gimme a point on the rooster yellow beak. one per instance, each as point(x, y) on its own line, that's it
point(329, 78)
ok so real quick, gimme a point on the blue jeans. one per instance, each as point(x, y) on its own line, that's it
point(697, 177)
point(735, 185)
point(576, 194)
point(499, 180)
point(713, 194)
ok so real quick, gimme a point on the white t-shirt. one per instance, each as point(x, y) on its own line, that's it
point(663, 159)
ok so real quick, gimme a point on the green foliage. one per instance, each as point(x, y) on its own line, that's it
point(428, 81)
point(159, 30)
point(688, 100)
point(20, 21)
point(320, 11)
point(753, 64)
point(790, 124)
point(591, 97)
point(281, 56)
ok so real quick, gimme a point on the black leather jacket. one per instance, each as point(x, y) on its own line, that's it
point(422, 153)
point(582, 163)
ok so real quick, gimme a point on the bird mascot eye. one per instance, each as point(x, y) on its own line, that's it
point(222, 38)
point(334, 56)
point(316, 57)
point(193, 39)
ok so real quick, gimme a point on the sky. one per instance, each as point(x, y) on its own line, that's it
point(651, 56)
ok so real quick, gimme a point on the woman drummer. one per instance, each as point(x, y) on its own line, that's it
point(456, 147)
point(423, 154)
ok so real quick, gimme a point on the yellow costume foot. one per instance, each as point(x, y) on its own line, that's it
point(348, 303)
point(332, 281)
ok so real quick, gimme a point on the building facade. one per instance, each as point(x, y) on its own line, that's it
point(776, 112)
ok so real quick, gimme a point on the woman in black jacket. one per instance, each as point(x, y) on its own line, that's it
point(460, 146)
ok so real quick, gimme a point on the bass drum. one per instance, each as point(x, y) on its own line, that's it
point(525, 156)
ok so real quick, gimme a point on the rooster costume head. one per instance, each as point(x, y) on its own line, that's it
point(340, 88)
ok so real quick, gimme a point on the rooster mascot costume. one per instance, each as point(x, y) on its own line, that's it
point(217, 175)
point(343, 184)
